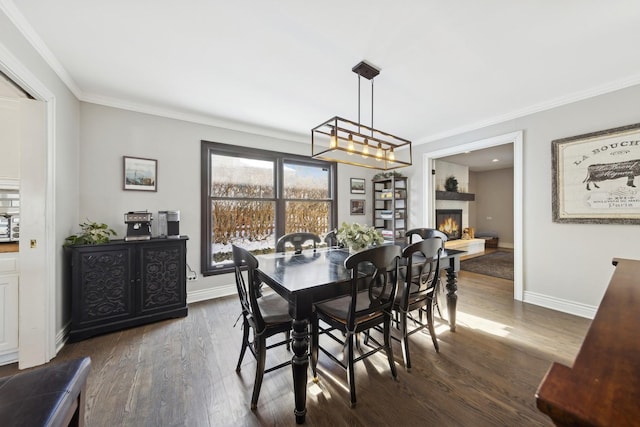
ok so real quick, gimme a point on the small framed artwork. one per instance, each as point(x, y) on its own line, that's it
point(357, 185)
point(140, 174)
point(357, 206)
point(594, 177)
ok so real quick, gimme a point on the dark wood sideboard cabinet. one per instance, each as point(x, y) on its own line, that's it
point(121, 284)
point(602, 388)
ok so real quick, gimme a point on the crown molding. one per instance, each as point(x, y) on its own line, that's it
point(537, 108)
point(195, 118)
point(14, 15)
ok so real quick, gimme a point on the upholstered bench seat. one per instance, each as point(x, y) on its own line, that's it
point(47, 396)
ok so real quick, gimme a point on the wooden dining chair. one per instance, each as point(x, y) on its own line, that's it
point(297, 240)
point(422, 260)
point(330, 239)
point(374, 275)
point(427, 233)
point(264, 316)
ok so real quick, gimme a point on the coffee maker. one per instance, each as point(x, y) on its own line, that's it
point(169, 224)
point(138, 225)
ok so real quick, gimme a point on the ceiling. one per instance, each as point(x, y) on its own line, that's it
point(280, 68)
point(487, 159)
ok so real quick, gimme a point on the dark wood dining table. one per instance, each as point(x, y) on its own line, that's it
point(317, 275)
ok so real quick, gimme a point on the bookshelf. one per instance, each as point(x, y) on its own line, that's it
point(390, 207)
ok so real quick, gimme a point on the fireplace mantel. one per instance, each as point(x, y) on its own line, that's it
point(454, 195)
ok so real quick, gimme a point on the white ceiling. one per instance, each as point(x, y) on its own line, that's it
point(281, 67)
point(493, 158)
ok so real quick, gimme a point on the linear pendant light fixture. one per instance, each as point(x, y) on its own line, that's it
point(344, 141)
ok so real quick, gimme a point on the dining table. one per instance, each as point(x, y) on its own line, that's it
point(315, 275)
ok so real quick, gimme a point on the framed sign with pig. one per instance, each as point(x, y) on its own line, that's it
point(596, 177)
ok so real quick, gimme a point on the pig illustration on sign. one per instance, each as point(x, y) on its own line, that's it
point(606, 171)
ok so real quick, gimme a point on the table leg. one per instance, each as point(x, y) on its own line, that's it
point(452, 297)
point(299, 365)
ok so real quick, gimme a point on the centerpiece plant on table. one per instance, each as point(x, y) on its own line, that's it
point(357, 237)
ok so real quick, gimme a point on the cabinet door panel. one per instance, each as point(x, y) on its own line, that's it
point(162, 276)
point(102, 286)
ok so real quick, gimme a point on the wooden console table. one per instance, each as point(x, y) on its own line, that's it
point(603, 387)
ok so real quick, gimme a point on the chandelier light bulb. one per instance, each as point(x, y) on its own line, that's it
point(333, 141)
point(379, 152)
point(350, 146)
point(365, 148)
point(392, 157)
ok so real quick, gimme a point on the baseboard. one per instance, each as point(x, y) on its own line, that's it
point(559, 304)
point(211, 293)
point(61, 336)
point(505, 245)
point(8, 358)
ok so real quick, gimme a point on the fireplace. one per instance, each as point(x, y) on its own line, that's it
point(449, 221)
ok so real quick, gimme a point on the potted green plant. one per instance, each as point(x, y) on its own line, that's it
point(92, 233)
point(357, 237)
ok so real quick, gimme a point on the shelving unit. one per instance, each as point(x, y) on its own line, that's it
point(390, 207)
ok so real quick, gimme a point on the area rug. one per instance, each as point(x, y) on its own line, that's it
point(496, 264)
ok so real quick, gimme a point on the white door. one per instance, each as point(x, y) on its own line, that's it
point(22, 134)
point(34, 293)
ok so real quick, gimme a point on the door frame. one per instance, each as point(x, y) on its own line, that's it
point(45, 325)
point(515, 138)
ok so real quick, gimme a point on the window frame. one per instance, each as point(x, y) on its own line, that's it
point(210, 147)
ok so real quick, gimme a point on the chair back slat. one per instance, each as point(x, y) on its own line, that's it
point(425, 233)
point(422, 270)
point(375, 270)
point(247, 289)
point(297, 240)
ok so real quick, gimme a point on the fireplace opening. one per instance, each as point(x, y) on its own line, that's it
point(449, 221)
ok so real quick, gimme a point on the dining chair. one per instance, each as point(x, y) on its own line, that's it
point(297, 240)
point(373, 282)
point(265, 316)
point(422, 260)
point(427, 233)
point(330, 238)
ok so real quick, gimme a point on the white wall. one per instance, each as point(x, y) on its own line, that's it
point(566, 266)
point(107, 134)
point(494, 203)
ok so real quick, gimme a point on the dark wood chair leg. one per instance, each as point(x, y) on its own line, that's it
point(314, 347)
point(387, 344)
point(350, 370)
point(261, 355)
point(404, 341)
point(432, 330)
point(245, 343)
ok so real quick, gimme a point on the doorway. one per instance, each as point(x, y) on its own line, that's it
point(37, 251)
point(515, 138)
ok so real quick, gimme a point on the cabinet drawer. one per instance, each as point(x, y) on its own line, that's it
point(8, 264)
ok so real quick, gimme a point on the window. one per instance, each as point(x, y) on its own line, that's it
point(251, 197)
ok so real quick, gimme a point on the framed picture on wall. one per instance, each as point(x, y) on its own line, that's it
point(357, 185)
point(139, 174)
point(594, 177)
point(357, 206)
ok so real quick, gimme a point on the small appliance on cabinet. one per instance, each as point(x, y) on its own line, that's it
point(138, 225)
point(169, 224)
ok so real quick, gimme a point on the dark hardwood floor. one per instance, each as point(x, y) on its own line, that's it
point(182, 372)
